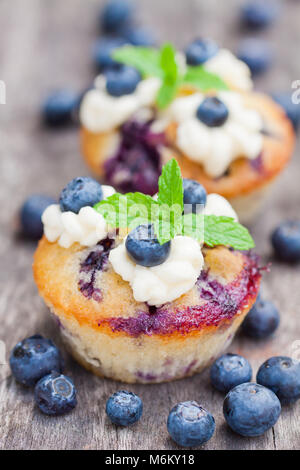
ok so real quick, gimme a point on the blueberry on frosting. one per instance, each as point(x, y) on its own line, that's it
point(122, 81)
point(144, 248)
point(213, 112)
point(200, 50)
point(80, 192)
point(193, 194)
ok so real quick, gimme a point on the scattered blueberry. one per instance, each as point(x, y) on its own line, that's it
point(140, 37)
point(286, 241)
point(228, 371)
point(257, 54)
point(282, 375)
point(258, 14)
point(124, 408)
point(212, 112)
point(251, 409)
point(33, 358)
point(144, 248)
point(55, 394)
point(115, 15)
point(122, 81)
point(31, 213)
point(262, 320)
point(200, 50)
point(58, 108)
point(291, 109)
point(190, 425)
point(102, 52)
point(80, 192)
point(193, 193)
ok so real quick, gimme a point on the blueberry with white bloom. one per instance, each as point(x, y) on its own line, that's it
point(80, 192)
point(194, 194)
point(143, 247)
point(124, 408)
point(257, 54)
point(282, 375)
point(258, 14)
point(190, 425)
point(116, 15)
point(55, 394)
point(31, 215)
point(262, 320)
point(122, 81)
point(103, 50)
point(200, 50)
point(230, 370)
point(212, 112)
point(59, 107)
point(286, 241)
point(140, 37)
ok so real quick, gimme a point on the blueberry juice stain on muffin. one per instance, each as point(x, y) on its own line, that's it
point(95, 262)
point(137, 164)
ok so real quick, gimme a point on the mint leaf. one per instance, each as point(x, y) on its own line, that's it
point(220, 230)
point(202, 79)
point(170, 188)
point(171, 80)
point(145, 59)
point(166, 94)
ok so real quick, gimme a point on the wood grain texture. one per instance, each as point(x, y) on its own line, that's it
point(46, 44)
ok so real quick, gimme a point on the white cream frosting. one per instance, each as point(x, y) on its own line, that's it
point(168, 281)
point(232, 70)
point(101, 112)
point(178, 274)
point(87, 227)
point(216, 147)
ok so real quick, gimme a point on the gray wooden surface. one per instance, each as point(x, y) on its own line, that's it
point(46, 44)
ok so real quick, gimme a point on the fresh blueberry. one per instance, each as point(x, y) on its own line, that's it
point(55, 394)
point(31, 213)
point(291, 109)
point(33, 358)
point(58, 108)
point(286, 241)
point(122, 81)
point(190, 425)
point(228, 371)
point(258, 14)
point(80, 192)
point(262, 320)
point(193, 194)
point(257, 54)
point(251, 409)
point(212, 112)
point(124, 408)
point(144, 248)
point(200, 50)
point(102, 52)
point(116, 15)
point(282, 375)
point(140, 37)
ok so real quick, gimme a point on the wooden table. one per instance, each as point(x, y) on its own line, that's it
point(46, 44)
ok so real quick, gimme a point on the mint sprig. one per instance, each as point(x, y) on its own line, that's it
point(162, 63)
point(166, 215)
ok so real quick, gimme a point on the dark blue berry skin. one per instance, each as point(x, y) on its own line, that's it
point(286, 241)
point(59, 107)
point(291, 109)
point(80, 192)
point(212, 112)
point(251, 409)
point(140, 37)
point(115, 15)
point(190, 425)
point(228, 371)
point(262, 320)
point(122, 81)
point(55, 394)
point(200, 50)
point(257, 54)
point(33, 358)
point(102, 52)
point(144, 249)
point(282, 375)
point(31, 213)
point(193, 194)
point(257, 14)
point(124, 408)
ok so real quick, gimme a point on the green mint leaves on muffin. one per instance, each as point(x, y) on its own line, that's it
point(166, 214)
point(165, 64)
